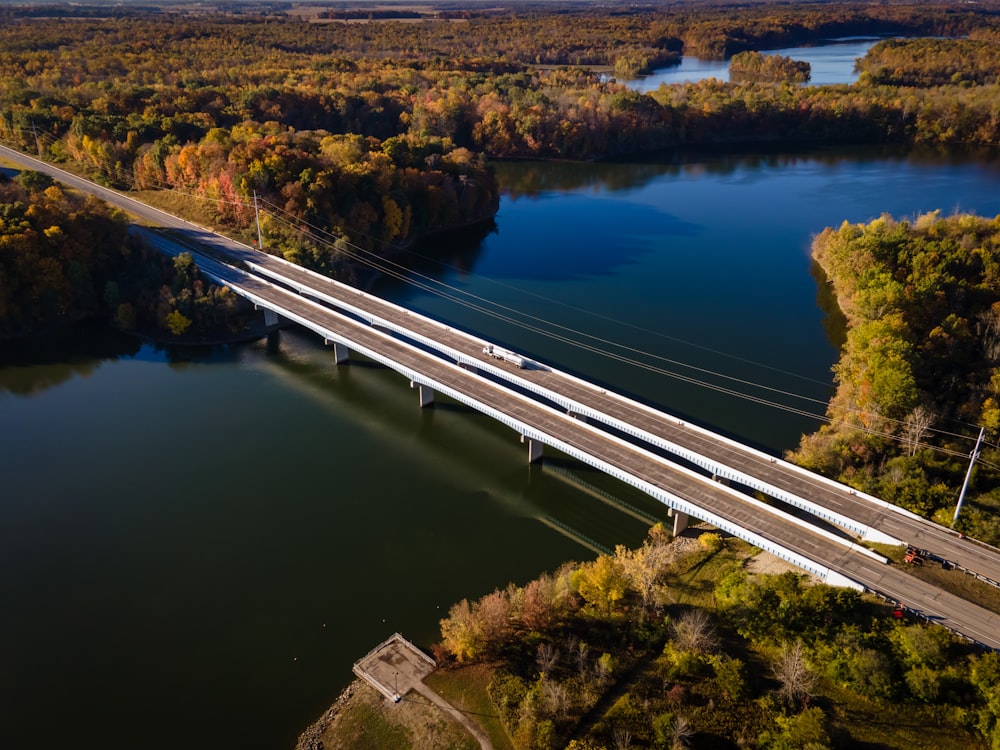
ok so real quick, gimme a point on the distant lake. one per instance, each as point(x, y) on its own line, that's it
point(832, 62)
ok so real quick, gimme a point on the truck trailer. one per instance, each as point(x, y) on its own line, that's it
point(504, 355)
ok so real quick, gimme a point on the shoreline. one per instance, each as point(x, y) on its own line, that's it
point(311, 737)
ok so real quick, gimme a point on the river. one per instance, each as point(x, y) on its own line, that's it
point(196, 545)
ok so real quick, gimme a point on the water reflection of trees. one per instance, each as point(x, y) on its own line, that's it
point(530, 179)
point(534, 178)
point(31, 366)
point(459, 249)
point(834, 323)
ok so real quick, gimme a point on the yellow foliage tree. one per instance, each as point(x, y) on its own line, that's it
point(178, 323)
point(461, 632)
point(602, 584)
point(393, 218)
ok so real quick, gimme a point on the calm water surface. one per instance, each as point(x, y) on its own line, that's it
point(831, 63)
point(196, 546)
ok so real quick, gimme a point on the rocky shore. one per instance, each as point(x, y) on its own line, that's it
point(313, 737)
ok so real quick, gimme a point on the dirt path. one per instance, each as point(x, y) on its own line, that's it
point(473, 728)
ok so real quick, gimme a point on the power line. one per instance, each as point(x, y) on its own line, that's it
point(549, 324)
point(600, 316)
point(386, 266)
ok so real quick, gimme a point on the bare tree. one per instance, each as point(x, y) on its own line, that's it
point(871, 418)
point(915, 428)
point(693, 631)
point(621, 738)
point(793, 673)
point(582, 649)
point(572, 643)
point(546, 657)
point(554, 696)
point(681, 732)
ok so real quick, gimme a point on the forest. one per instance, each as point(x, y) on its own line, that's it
point(67, 257)
point(628, 651)
point(920, 362)
point(379, 132)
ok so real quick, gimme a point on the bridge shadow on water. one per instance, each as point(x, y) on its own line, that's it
point(573, 498)
point(577, 501)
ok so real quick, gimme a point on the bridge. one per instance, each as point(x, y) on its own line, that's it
point(684, 466)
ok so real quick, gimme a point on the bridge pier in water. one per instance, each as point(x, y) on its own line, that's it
point(534, 449)
point(424, 392)
point(340, 352)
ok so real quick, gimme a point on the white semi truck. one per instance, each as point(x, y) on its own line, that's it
point(505, 355)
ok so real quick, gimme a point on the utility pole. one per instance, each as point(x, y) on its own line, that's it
point(34, 132)
point(256, 216)
point(965, 485)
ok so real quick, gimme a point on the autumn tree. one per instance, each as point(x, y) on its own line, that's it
point(602, 584)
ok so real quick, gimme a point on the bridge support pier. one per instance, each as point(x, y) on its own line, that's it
point(534, 449)
point(680, 521)
point(340, 352)
point(425, 393)
point(720, 480)
point(271, 318)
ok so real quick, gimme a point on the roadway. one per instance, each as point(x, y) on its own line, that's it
point(953, 612)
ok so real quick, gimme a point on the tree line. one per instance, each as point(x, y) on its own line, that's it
point(66, 257)
point(602, 655)
point(920, 365)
